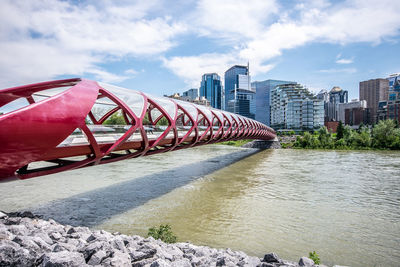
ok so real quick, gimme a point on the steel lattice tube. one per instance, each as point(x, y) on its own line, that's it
point(64, 126)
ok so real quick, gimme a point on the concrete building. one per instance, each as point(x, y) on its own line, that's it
point(356, 116)
point(374, 91)
point(354, 104)
point(295, 107)
point(263, 90)
point(239, 98)
point(211, 89)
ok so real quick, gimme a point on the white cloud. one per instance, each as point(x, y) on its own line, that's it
point(131, 71)
point(193, 67)
point(341, 60)
point(345, 70)
point(62, 38)
point(59, 38)
point(345, 61)
point(234, 20)
point(341, 23)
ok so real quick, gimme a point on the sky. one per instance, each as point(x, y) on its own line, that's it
point(163, 47)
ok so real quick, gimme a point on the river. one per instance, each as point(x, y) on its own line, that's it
point(343, 204)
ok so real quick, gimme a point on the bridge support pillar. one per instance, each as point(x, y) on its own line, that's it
point(262, 144)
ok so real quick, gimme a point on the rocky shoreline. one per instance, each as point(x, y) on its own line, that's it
point(28, 240)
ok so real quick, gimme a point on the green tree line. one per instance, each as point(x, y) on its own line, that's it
point(384, 135)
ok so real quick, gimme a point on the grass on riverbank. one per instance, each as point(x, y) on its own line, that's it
point(237, 143)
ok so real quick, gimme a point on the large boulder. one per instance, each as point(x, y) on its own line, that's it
point(63, 259)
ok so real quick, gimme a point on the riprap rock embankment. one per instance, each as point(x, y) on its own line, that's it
point(26, 240)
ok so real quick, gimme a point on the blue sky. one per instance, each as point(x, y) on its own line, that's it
point(162, 47)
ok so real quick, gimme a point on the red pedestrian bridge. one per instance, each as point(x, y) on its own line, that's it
point(61, 125)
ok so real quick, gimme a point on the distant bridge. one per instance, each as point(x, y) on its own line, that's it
point(61, 125)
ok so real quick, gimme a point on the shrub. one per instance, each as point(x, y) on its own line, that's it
point(315, 257)
point(163, 232)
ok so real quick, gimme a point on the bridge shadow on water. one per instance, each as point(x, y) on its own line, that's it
point(94, 207)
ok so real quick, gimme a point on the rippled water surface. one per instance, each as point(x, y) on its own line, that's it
point(343, 204)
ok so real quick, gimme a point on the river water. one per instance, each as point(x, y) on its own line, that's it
point(343, 204)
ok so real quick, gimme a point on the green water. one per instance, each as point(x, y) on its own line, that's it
point(342, 204)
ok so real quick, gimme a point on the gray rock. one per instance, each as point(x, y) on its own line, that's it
point(91, 238)
point(118, 243)
point(288, 264)
point(92, 248)
point(5, 234)
point(160, 263)
point(28, 243)
point(221, 262)
point(71, 231)
point(41, 243)
point(304, 261)
point(18, 229)
point(2, 215)
point(184, 263)
point(63, 258)
point(12, 220)
point(98, 257)
point(55, 235)
point(138, 255)
point(45, 237)
point(252, 261)
point(23, 214)
point(11, 254)
point(271, 257)
point(118, 259)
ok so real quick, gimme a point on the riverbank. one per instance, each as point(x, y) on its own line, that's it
point(27, 240)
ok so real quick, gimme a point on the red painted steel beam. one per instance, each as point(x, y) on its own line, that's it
point(65, 125)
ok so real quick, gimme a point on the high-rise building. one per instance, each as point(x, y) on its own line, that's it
point(336, 96)
point(263, 90)
point(211, 89)
point(239, 98)
point(374, 91)
point(393, 103)
point(191, 94)
point(354, 104)
point(295, 107)
point(323, 95)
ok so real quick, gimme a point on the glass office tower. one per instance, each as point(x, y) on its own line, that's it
point(211, 89)
point(239, 98)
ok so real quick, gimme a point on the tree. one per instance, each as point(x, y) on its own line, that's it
point(386, 135)
point(324, 137)
point(339, 131)
point(362, 139)
point(115, 119)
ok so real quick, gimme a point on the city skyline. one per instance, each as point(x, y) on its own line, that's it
point(320, 44)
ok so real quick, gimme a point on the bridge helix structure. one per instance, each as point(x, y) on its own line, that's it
point(60, 125)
